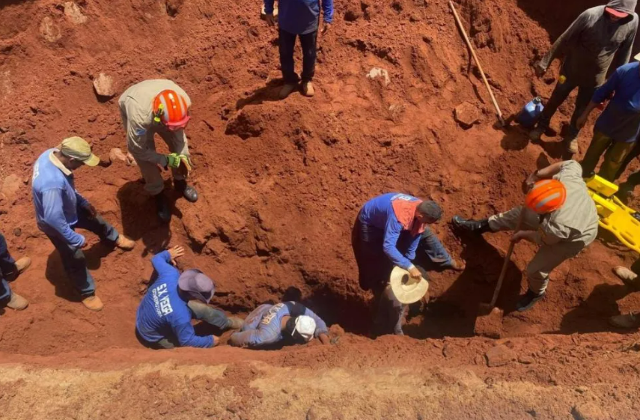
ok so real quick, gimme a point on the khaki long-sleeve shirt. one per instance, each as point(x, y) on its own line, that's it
point(136, 109)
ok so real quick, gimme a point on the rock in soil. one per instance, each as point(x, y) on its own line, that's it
point(11, 186)
point(588, 411)
point(104, 86)
point(466, 114)
point(500, 355)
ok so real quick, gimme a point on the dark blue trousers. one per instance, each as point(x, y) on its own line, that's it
point(287, 45)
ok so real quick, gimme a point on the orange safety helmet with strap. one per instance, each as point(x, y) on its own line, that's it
point(546, 196)
point(171, 109)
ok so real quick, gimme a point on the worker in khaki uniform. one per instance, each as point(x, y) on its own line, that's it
point(560, 217)
point(162, 107)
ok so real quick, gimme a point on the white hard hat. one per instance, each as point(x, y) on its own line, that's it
point(305, 326)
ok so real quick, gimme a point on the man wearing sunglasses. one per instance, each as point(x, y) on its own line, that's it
point(290, 322)
point(164, 316)
point(162, 107)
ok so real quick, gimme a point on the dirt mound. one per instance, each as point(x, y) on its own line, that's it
point(281, 181)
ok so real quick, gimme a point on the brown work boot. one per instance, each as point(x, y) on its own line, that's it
point(627, 276)
point(125, 243)
point(287, 89)
point(235, 323)
point(573, 147)
point(307, 89)
point(22, 264)
point(17, 302)
point(627, 321)
point(93, 303)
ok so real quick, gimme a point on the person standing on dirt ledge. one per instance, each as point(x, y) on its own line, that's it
point(289, 321)
point(386, 233)
point(589, 46)
point(163, 320)
point(159, 106)
point(560, 217)
point(10, 269)
point(299, 18)
point(60, 210)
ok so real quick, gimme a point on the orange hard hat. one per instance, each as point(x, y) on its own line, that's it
point(171, 109)
point(546, 196)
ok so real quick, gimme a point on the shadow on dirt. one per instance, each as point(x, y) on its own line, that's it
point(57, 275)
point(453, 313)
point(592, 315)
point(139, 219)
point(268, 93)
point(555, 20)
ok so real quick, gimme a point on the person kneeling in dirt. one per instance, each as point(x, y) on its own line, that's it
point(60, 210)
point(589, 47)
point(10, 269)
point(386, 233)
point(158, 106)
point(163, 320)
point(560, 218)
point(289, 321)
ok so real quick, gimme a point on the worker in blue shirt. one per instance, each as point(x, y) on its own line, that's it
point(163, 320)
point(387, 233)
point(618, 126)
point(60, 209)
point(298, 18)
point(288, 321)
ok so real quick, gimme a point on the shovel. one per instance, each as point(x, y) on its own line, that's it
point(489, 319)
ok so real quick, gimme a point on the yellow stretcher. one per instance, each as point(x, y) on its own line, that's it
point(614, 215)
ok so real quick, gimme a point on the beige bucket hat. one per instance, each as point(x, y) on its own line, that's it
point(405, 288)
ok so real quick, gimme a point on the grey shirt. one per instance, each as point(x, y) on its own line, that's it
point(591, 43)
point(577, 219)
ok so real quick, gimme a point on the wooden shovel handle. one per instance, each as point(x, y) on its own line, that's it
point(507, 259)
point(475, 57)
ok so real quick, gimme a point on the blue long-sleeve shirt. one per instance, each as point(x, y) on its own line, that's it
point(263, 325)
point(378, 213)
point(55, 199)
point(163, 313)
point(300, 16)
point(621, 119)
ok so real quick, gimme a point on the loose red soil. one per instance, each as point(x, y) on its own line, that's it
point(282, 181)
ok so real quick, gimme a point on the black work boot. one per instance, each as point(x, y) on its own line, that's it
point(529, 299)
point(162, 208)
point(187, 191)
point(470, 225)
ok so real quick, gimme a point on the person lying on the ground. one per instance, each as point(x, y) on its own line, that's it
point(60, 210)
point(589, 46)
point(386, 233)
point(560, 217)
point(288, 321)
point(618, 126)
point(630, 278)
point(158, 106)
point(163, 320)
point(10, 269)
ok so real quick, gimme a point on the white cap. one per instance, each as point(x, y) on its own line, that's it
point(306, 327)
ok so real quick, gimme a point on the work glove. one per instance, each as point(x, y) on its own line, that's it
point(185, 168)
point(173, 160)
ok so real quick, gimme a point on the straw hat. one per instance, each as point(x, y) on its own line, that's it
point(405, 288)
